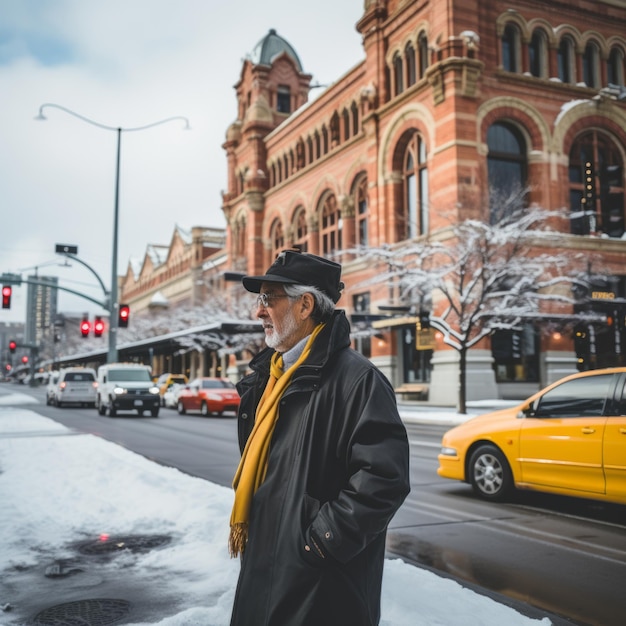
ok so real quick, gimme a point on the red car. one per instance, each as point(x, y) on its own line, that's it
point(208, 395)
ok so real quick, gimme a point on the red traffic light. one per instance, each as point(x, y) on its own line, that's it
point(12, 346)
point(85, 327)
point(98, 327)
point(7, 290)
point(24, 359)
point(124, 314)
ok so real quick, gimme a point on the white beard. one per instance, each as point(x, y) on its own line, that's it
point(280, 340)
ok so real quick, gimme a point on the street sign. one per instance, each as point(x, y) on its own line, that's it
point(64, 248)
point(10, 279)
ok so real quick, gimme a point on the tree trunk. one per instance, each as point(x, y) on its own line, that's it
point(462, 404)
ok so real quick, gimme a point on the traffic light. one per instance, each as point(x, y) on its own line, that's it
point(7, 290)
point(98, 327)
point(12, 346)
point(123, 316)
point(582, 347)
point(24, 359)
point(85, 327)
point(424, 319)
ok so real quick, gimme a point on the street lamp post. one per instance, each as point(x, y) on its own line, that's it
point(113, 293)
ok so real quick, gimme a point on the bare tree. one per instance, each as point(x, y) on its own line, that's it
point(475, 277)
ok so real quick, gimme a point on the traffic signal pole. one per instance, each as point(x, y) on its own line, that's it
point(110, 303)
point(113, 304)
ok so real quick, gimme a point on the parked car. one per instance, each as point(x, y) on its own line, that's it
point(75, 385)
point(208, 395)
point(170, 398)
point(166, 380)
point(126, 387)
point(569, 439)
point(51, 387)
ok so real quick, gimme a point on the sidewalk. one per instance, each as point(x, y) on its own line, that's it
point(421, 412)
point(91, 529)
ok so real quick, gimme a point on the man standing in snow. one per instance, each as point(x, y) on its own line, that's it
point(325, 459)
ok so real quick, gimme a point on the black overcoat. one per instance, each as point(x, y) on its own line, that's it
point(337, 472)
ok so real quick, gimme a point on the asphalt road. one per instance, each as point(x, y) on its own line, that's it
point(565, 556)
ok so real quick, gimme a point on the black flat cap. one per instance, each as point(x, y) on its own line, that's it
point(293, 267)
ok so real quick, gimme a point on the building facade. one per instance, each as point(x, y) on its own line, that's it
point(453, 103)
point(41, 308)
point(177, 274)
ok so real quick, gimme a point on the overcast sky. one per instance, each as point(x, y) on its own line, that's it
point(130, 63)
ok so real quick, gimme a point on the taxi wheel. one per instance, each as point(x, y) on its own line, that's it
point(489, 473)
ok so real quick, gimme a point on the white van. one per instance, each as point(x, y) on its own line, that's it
point(126, 387)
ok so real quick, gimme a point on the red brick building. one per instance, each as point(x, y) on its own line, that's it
point(450, 98)
point(173, 274)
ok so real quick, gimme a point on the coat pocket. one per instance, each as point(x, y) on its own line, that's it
point(310, 548)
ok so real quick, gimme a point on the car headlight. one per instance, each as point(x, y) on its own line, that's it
point(446, 451)
point(119, 390)
point(154, 390)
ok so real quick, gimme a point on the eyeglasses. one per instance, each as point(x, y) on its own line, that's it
point(265, 299)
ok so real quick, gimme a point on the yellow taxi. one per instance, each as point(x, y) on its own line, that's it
point(165, 381)
point(569, 438)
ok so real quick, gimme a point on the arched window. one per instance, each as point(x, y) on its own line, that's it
point(397, 74)
point(422, 47)
point(361, 211)
point(511, 49)
point(596, 184)
point(283, 99)
point(324, 140)
point(566, 60)
point(300, 155)
point(414, 220)
point(330, 225)
point(355, 118)
point(345, 119)
point(277, 238)
point(310, 151)
point(411, 70)
point(334, 129)
point(615, 67)
point(300, 229)
point(506, 170)
point(537, 53)
point(318, 145)
point(591, 65)
point(239, 237)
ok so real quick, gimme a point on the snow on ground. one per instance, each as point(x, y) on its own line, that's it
point(58, 487)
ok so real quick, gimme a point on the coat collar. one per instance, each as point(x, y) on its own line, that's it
point(335, 336)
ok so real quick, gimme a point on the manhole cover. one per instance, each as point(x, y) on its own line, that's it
point(134, 543)
point(96, 612)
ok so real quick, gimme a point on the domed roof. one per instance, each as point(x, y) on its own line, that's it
point(271, 46)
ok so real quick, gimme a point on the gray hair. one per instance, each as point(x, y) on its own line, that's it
point(324, 306)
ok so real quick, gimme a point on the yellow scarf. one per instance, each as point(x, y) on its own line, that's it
point(253, 464)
